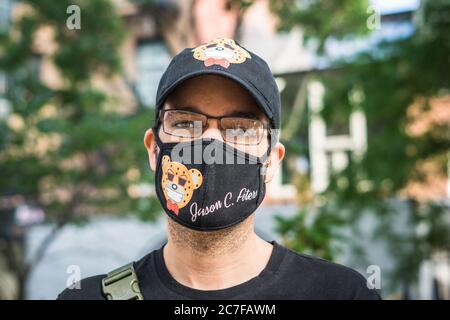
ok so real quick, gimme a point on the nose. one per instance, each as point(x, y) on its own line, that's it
point(212, 131)
point(174, 186)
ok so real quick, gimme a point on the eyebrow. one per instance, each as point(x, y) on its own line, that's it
point(244, 114)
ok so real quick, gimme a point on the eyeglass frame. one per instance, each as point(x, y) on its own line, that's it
point(160, 121)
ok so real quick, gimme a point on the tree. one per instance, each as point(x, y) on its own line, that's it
point(65, 147)
point(397, 81)
point(321, 20)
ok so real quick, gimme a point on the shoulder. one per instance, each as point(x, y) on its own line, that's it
point(91, 288)
point(329, 279)
point(86, 289)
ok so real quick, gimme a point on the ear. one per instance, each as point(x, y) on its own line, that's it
point(274, 161)
point(150, 145)
point(165, 161)
point(197, 178)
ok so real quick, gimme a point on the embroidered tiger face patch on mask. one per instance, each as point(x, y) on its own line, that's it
point(220, 51)
point(178, 183)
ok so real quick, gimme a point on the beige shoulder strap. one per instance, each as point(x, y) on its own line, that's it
point(122, 284)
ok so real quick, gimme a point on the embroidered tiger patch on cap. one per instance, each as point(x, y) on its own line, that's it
point(220, 51)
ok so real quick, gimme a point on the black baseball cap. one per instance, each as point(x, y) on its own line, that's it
point(225, 57)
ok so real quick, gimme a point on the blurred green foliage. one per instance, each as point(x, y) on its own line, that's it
point(389, 78)
point(66, 148)
point(321, 19)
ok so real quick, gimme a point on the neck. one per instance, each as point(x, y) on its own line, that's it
point(217, 259)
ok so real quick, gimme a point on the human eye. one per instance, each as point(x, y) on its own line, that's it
point(183, 124)
point(240, 124)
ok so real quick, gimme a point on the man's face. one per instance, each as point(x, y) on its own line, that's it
point(215, 96)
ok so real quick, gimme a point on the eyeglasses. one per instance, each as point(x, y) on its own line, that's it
point(234, 130)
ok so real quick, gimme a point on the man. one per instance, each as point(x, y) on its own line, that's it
point(214, 147)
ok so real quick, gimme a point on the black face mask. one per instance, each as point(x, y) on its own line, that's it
point(208, 185)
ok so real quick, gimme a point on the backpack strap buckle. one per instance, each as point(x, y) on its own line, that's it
point(122, 284)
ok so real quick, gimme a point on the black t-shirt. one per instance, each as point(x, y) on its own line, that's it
point(288, 275)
